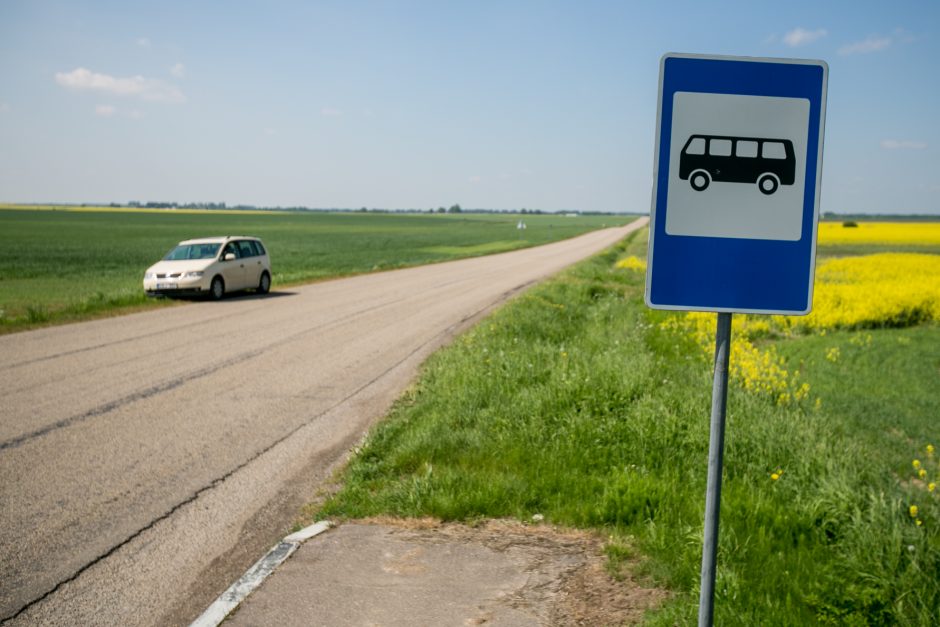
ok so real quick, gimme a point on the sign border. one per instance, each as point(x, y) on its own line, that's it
point(657, 183)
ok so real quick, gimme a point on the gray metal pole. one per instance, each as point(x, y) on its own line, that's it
point(716, 447)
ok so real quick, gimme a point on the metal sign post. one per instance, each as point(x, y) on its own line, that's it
point(735, 205)
point(716, 449)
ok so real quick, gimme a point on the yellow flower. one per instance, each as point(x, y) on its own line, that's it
point(930, 450)
point(931, 486)
point(774, 476)
point(915, 464)
point(632, 263)
point(912, 510)
point(919, 522)
point(921, 473)
point(833, 354)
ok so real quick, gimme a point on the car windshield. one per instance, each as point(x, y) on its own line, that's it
point(192, 251)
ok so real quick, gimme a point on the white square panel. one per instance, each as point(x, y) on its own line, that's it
point(738, 209)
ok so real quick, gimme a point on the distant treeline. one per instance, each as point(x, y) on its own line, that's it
point(210, 206)
point(830, 216)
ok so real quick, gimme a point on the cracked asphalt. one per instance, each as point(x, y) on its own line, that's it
point(147, 460)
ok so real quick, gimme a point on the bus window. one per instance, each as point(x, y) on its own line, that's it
point(774, 150)
point(746, 148)
point(720, 147)
point(696, 146)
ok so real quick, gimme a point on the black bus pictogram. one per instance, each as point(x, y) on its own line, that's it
point(768, 162)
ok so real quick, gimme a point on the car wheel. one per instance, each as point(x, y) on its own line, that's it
point(699, 180)
point(767, 184)
point(217, 289)
point(264, 286)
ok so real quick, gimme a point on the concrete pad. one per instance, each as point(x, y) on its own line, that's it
point(389, 575)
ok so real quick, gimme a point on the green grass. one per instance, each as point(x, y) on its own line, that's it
point(573, 403)
point(64, 265)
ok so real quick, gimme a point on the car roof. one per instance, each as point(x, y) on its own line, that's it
point(221, 239)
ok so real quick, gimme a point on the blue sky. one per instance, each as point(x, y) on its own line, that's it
point(546, 105)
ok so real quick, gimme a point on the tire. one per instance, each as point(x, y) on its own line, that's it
point(767, 184)
point(264, 285)
point(699, 180)
point(217, 288)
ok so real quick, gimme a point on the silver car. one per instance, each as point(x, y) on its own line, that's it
point(213, 266)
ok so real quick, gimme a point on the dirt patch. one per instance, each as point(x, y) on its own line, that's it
point(590, 596)
point(574, 586)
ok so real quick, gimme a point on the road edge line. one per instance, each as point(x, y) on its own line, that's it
point(254, 576)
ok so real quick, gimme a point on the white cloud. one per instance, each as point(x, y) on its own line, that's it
point(801, 36)
point(330, 112)
point(876, 43)
point(901, 36)
point(143, 42)
point(105, 111)
point(178, 70)
point(873, 43)
point(143, 88)
point(903, 144)
point(475, 179)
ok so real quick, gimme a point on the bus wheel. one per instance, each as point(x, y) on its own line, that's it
point(767, 184)
point(699, 180)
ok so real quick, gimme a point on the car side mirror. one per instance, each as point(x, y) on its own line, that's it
point(228, 257)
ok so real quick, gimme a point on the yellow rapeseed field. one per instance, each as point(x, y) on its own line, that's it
point(857, 292)
point(882, 290)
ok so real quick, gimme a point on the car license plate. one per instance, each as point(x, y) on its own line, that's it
point(166, 286)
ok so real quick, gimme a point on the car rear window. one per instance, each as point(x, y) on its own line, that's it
point(246, 249)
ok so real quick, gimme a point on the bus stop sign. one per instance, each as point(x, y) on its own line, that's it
point(737, 171)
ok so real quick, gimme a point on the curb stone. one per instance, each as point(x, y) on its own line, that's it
point(254, 576)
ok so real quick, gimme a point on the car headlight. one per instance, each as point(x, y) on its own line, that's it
point(148, 275)
point(192, 275)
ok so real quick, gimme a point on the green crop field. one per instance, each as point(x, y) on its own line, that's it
point(63, 264)
point(577, 403)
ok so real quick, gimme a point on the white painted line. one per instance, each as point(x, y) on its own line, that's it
point(239, 591)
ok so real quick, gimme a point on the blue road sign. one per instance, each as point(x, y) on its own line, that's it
point(737, 171)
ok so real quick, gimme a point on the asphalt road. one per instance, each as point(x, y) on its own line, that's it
point(146, 461)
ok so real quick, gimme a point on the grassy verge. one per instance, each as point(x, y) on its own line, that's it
point(59, 265)
point(575, 402)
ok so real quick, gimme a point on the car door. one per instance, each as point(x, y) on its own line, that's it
point(233, 270)
point(252, 263)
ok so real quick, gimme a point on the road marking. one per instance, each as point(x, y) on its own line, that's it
point(254, 576)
